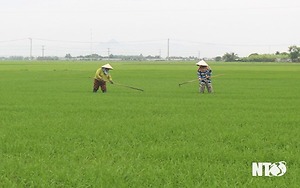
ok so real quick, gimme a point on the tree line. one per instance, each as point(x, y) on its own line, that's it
point(292, 55)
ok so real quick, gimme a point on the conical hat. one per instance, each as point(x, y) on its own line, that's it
point(202, 63)
point(108, 66)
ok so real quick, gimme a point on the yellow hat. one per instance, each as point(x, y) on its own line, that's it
point(107, 66)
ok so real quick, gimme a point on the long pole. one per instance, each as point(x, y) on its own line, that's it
point(128, 86)
point(190, 81)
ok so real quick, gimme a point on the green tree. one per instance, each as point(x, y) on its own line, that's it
point(230, 57)
point(218, 58)
point(68, 56)
point(294, 53)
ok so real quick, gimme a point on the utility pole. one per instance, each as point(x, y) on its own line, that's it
point(43, 50)
point(159, 53)
point(30, 54)
point(199, 55)
point(168, 54)
point(91, 41)
point(108, 52)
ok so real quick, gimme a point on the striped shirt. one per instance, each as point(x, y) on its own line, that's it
point(202, 75)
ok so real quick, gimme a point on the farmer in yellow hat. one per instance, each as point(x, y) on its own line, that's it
point(204, 76)
point(101, 77)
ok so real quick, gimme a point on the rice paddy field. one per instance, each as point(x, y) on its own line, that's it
point(55, 132)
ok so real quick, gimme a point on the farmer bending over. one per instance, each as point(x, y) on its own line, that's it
point(101, 77)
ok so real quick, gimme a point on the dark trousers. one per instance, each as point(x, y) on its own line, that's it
point(98, 84)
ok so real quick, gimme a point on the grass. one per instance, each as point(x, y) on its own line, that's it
point(56, 133)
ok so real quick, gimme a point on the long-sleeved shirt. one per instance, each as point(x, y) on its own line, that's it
point(102, 75)
point(204, 76)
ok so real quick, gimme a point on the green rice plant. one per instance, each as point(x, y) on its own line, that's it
point(55, 132)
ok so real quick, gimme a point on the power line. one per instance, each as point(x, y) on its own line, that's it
point(179, 46)
point(229, 44)
point(12, 40)
point(101, 42)
point(61, 41)
point(239, 8)
point(174, 41)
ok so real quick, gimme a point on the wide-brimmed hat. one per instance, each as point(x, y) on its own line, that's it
point(107, 66)
point(202, 63)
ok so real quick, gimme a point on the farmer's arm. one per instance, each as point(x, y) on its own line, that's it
point(110, 79)
point(209, 73)
point(199, 76)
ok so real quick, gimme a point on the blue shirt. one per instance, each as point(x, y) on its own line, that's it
point(202, 75)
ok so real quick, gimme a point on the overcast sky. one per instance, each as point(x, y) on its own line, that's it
point(205, 28)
